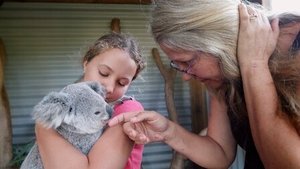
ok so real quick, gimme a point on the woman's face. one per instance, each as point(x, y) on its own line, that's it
point(202, 66)
point(114, 69)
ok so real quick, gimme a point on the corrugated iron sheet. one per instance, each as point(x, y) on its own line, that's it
point(44, 44)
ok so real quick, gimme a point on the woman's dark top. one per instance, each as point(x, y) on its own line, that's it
point(242, 134)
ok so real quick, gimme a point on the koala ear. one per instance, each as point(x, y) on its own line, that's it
point(52, 110)
point(97, 88)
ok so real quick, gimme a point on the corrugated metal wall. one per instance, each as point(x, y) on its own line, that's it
point(44, 44)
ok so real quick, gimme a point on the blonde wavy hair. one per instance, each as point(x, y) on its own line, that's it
point(212, 26)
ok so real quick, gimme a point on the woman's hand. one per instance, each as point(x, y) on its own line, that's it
point(257, 37)
point(143, 127)
point(257, 41)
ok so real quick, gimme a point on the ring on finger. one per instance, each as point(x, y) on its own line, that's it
point(253, 16)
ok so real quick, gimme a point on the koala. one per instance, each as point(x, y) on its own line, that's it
point(78, 112)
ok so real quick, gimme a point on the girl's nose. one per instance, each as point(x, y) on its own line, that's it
point(109, 87)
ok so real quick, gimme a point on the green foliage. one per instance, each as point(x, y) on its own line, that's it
point(20, 151)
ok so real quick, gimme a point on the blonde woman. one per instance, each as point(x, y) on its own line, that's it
point(250, 62)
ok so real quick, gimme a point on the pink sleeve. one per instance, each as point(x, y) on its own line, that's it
point(135, 159)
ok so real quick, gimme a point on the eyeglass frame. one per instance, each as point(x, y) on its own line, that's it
point(186, 70)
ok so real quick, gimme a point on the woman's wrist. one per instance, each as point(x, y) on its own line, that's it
point(253, 65)
point(169, 136)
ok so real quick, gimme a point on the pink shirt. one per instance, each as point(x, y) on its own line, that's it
point(135, 158)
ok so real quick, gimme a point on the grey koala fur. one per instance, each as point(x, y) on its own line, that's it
point(78, 112)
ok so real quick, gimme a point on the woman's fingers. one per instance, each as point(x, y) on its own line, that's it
point(122, 118)
point(257, 37)
point(244, 17)
point(133, 130)
point(135, 133)
point(142, 127)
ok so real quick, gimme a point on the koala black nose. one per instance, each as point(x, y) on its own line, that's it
point(109, 110)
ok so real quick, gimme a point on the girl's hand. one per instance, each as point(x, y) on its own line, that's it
point(257, 37)
point(142, 127)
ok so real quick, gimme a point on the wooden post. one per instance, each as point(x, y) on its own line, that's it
point(199, 114)
point(5, 118)
point(198, 106)
point(115, 25)
point(169, 77)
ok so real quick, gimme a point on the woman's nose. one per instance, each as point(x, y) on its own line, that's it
point(186, 76)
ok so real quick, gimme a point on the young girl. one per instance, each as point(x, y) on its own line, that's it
point(114, 61)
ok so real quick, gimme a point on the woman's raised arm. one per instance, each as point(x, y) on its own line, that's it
point(270, 130)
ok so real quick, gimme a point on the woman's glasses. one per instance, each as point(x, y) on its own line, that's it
point(183, 67)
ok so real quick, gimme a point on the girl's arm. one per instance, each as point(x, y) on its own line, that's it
point(56, 152)
point(111, 151)
point(276, 140)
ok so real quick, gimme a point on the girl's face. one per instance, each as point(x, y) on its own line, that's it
point(114, 69)
point(202, 66)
